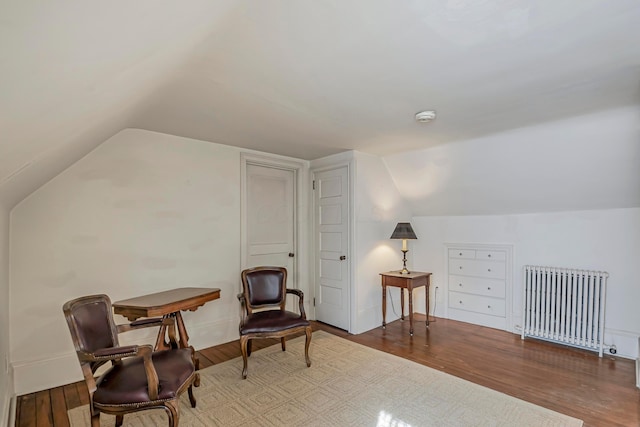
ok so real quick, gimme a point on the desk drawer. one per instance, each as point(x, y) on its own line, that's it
point(394, 281)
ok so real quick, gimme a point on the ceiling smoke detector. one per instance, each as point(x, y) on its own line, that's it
point(425, 116)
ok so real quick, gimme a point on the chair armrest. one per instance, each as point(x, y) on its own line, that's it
point(116, 353)
point(300, 296)
point(243, 307)
point(111, 353)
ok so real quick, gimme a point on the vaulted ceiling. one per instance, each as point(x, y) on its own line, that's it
point(300, 78)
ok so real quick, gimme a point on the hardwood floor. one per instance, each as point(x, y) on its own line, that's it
point(600, 391)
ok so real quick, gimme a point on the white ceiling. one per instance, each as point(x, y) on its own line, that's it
point(300, 78)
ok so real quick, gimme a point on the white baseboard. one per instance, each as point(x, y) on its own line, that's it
point(5, 414)
point(12, 411)
point(56, 370)
point(7, 408)
point(626, 343)
point(35, 375)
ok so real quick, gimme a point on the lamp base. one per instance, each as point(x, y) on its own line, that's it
point(404, 262)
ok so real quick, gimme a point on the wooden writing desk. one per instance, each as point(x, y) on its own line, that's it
point(409, 282)
point(167, 304)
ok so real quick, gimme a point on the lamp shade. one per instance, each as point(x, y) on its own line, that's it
point(403, 231)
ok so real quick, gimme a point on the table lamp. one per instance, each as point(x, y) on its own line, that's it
point(404, 231)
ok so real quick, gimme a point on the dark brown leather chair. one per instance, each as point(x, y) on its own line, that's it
point(139, 378)
point(263, 298)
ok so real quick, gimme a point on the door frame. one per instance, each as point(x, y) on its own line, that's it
point(276, 162)
point(350, 165)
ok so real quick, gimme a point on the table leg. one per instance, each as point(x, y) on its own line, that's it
point(426, 291)
point(184, 343)
point(410, 290)
point(161, 341)
point(182, 331)
point(384, 305)
point(401, 303)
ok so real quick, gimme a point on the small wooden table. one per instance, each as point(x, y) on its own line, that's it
point(167, 304)
point(409, 282)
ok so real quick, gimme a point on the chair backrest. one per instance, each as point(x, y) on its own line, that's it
point(91, 324)
point(264, 287)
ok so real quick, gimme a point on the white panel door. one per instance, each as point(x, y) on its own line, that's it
point(332, 239)
point(270, 216)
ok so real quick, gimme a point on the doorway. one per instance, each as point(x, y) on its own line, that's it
point(331, 237)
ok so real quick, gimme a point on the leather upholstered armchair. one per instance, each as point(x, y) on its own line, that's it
point(138, 378)
point(263, 302)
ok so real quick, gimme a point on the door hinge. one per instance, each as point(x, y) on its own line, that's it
point(314, 184)
point(314, 301)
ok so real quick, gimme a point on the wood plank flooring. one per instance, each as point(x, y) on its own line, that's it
point(600, 391)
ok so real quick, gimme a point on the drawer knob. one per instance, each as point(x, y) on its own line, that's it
point(459, 284)
point(460, 254)
point(460, 302)
point(460, 267)
point(489, 255)
point(488, 288)
point(488, 306)
point(489, 270)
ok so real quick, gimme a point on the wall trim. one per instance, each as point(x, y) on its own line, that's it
point(12, 412)
point(61, 369)
point(626, 343)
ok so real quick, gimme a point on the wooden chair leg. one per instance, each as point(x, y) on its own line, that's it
point(173, 412)
point(249, 347)
point(192, 398)
point(307, 341)
point(196, 363)
point(95, 420)
point(244, 342)
point(119, 420)
point(284, 346)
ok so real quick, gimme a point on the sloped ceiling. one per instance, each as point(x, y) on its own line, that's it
point(301, 78)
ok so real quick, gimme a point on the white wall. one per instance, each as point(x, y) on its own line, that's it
point(6, 382)
point(583, 172)
point(583, 163)
point(607, 240)
point(143, 212)
point(378, 208)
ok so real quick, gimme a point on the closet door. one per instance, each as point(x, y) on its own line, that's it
point(270, 218)
point(331, 225)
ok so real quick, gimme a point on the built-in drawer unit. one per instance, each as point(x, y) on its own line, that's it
point(479, 286)
point(477, 304)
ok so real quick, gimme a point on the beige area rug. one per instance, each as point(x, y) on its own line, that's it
point(347, 385)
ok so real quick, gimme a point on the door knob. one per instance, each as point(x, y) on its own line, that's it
point(291, 255)
point(342, 257)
